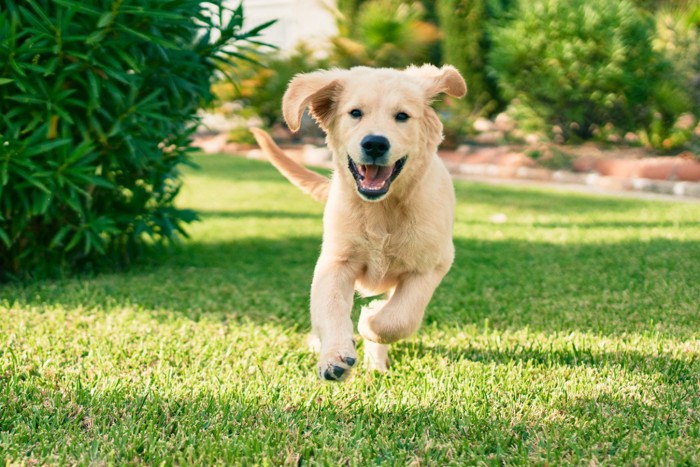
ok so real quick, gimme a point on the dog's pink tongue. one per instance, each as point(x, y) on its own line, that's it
point(375, 176)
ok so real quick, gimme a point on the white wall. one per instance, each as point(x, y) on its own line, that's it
point(310, 21)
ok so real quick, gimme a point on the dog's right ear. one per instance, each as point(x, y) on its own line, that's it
point(318, 91)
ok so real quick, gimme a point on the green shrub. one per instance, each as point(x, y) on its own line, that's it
point(465, 26)
point(349, 10)
point(98, 102)
point(678, 39)
point(652, 6)
point(580, 64)
point(384, 33)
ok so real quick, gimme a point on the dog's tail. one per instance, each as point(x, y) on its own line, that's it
point(306, 180)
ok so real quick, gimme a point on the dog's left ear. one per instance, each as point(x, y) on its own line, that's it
point(438, 80)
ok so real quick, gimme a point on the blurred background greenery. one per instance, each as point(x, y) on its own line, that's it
point(566, 71)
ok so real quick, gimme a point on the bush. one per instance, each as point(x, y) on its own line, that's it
point(582, 64)
point(653, 6)
point(384, 33)
point(678, 39)
point(97, 106)
point(465, 26)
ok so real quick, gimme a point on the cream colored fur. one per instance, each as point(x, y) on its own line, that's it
point(399, 246)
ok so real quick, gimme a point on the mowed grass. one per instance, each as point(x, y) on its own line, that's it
point(570, 333)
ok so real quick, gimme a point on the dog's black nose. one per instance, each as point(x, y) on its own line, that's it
point(375, 146)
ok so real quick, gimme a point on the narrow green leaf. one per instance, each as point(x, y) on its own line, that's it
point(60, 235)
point(257, 29)
point(27, 99)
point(5, 238)
point(45, 147)
point(106, 19)
point(79, 6)
point(96, 37)
point(74, 240)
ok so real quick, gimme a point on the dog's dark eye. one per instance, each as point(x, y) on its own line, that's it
point(401, 117)
point(356, 113)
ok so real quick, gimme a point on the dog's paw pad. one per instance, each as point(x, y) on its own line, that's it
point(337, 367)
point(333, 373)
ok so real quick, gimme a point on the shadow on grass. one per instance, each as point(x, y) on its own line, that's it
point(669, 370)
point(612, 289)
point(608, 288)
point(260, 214)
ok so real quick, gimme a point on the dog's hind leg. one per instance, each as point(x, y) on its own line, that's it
point(376, 356)
point(332, 292)
point(403, 313)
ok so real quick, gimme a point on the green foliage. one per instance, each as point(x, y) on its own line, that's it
point(582, 64)
point(241, 135)
point(384, 33)
point(97, 106)
point(465, 26)
point(348, 9)
point(259, 90)
point(678, 39)
point(653, 6)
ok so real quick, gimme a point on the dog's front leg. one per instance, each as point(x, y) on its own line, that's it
point(401, 316)
point(332, 293)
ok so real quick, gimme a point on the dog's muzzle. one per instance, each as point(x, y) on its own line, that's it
point(373, 181)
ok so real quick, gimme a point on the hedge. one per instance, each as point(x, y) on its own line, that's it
point(98, 102)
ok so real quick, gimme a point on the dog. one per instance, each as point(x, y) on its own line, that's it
point(389, 204)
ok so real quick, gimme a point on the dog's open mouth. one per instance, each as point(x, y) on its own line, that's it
point(373, 181)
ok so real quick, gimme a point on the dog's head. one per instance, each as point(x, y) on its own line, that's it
point(379, 121)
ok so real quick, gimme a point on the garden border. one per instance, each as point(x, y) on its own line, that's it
point(607, 175)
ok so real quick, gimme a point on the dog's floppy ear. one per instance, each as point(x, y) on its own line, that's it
point(436, 80)
point(318, 91)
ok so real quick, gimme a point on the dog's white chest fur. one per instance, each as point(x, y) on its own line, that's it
point(387, 240)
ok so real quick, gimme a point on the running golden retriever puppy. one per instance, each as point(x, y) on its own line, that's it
point(390, 203)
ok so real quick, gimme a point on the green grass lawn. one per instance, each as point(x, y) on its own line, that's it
point(568, 334)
